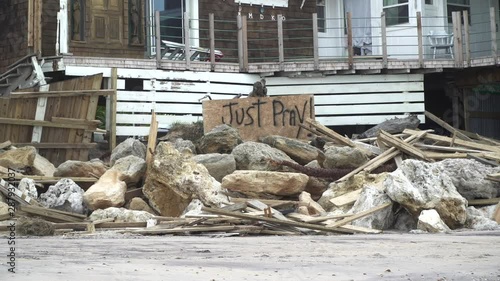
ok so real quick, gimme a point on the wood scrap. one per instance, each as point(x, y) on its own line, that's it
point(50, 214)
point(5, 144)
point(446, 126)
point(330, 133)
point(359, 215)
point(483, 202)
point(401, 145)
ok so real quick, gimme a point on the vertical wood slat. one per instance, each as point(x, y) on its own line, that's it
point(315, 41)
point(112, 137)
point(350, 50)
point(467, 37)
point(384, 40)
point(244, 29)
point(37, 44)
point(493, 26)
point(281, 50)
point(211, 22)
point(239, 26)
point(41, 108)
point(187, 43)
point(158, 38)
point(30, 23)
point(420, 40)
point(460, 53)
point(456, 48)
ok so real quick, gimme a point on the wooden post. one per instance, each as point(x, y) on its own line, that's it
point(467, 37)
point(493, 26)
point(281, 50)
point(37, 27)
point(211, 21)
point(420, 40)
point(350, 50)
point(187, 43)
point(244, 30)
point(41, 106)
point(158, 38)
point(112, 117)
point(239, 25)
point(384, 39)
point(460, 53)
point(153, 132)
point(456, 48)
point(31, 21)
point(315, 41)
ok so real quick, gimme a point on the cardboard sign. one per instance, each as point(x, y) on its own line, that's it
point(258, 117)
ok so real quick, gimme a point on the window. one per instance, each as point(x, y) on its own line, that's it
point(396, 12)
point(458, 6)
point(429, 2)
point(320, 9)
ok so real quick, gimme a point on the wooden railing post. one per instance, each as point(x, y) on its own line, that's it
point(281, 50)
point(456, 48)
point(239, 26)
point(384, 39)
point(244, 28)
point(315, 41)
point(187, 43)
point(420, 40)
point(460, 53)
point(158, 39)
point(350, 50)
point(493, 26)
point(467, 37)
point(211, 22)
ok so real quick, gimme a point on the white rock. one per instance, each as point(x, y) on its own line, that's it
point(27, 187)
point(65, 195)
point(430, 221)
point(478, 221)
point(370, 198)
point(120, 215)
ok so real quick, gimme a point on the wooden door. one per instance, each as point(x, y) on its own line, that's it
point(107, 21)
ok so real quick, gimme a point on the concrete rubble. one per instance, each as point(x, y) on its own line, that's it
point(405, 180)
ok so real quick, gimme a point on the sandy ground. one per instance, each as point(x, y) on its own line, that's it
point(106, 256)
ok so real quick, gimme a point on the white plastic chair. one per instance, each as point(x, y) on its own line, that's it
point(441, 40)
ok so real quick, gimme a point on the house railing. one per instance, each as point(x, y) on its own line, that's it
point(375, 43)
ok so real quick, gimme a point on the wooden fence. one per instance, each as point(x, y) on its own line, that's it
point(58, 119)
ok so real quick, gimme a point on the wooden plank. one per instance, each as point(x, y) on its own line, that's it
point(200, 87)
point(31, 23)
point(58, 145)
point(177, 97)
point(493, 32)
point(390, 87)
point(403, 146)
point(369, 109)
point(41, 108)
point(187, 40)
point(269, 202)
point(48, 214)
point(439, 156)
point(456, 49)
point(60, 94)
point(273, 220)
point(244, 27)
point(26, 122)
point(483, 202)
point(311, 219)
point(350, 49)
point(330, 133)
point(37, 30)
point(383, 29)
point(460, 53)
point(281, 50)
point(467, 39)
point(359, 215)
point(222, 228)
point(9, 191)
point(261, 206)
point(373, 99)
point(169, 108)
point(5, 144)
point(446, 126)
point(42, 179)
point(345, 79)
point(361, 119)
point(239, 26)
point(347, 198)
point(153, 132)
point(112, 128)
point(158, 38)
point(420, 39)
point(211, 23)
point(315, 41)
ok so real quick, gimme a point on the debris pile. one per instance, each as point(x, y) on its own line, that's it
point(392, 177)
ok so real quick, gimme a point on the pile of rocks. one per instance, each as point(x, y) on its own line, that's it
point(328, 186)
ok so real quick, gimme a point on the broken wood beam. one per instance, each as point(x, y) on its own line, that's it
point(50, 214)
point(483, 202)
point(273, 220)
point(330, 133)
point(401, 145)
point(359, 215)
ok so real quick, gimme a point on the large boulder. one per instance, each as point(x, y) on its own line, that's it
point(129, 147)
point(218, 165)
point(370, 198)
point(221, 139)
point(344, 157)
point(65, 195)
point(430, 221)
point(26, 159)
point(259, 156)
point(173, 180)
point(479, 221)
point(131, 168)
point(469, 177)
point(138, 204)
point(108, 191)
point(422, 186)
point(120, 215)
point(72, 168)
point(253, 183)
point(299, 151)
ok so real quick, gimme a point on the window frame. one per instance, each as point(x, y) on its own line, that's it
point(321, 21)
point(464, 6)
point(407, 4)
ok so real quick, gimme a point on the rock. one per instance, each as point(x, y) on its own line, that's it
point(477, 221)
point(404, 221)
point(221, 139)
point(66, 196)
point(34, 226)
point(182, 145)
point(132, 169)
point(129, 147)
point(372, 197)
point(108, 191)
point(313, 208)
point(316, 186)
point(120, 215)
point(430, 221)
point(422, 186)
point(344, 157)
point(174, 179)
point(257, 156)
point(71, 168)
point(218, 165)
point(27, 160)
point(28, 188)
point(356, 182)
point(469, 177)
point(392, 126)
point(138, 204)
point(252, 183)
point(4, 209)
point(299, 151)
point(194, 208)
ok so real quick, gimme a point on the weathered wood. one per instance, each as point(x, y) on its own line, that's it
point(359, 215)
point(58, 145)
point(27, 122)
point(315, 41)
point(49, 214)
point(383, 28)
point(13, 193)
point(269, 202)
point(460, 53)
point(446, 126)
point(5, 144)
point(235, 207)
point(350, 47)
point(403, 146)
point(420, 39)
point(347, 198)
point(239, 25)
point(493, 31)
point(187, 40)
point(467, 40)
point(436, 155)
point(158, 37)
point(31, 23)
point(244, 27)
point(261, 206)
point(479, 159)
point(60, 94)
point(330, 133)
point(273, 220)
point(223, 228)
point(41, 107)
point(311, 219)
point(113, 101)
point(455, 18)
point(211, 23)
point(446, 148)
point(360, 229)
point(153, 132)
point(483, 202)
point(281, 50)
point(42, 179)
